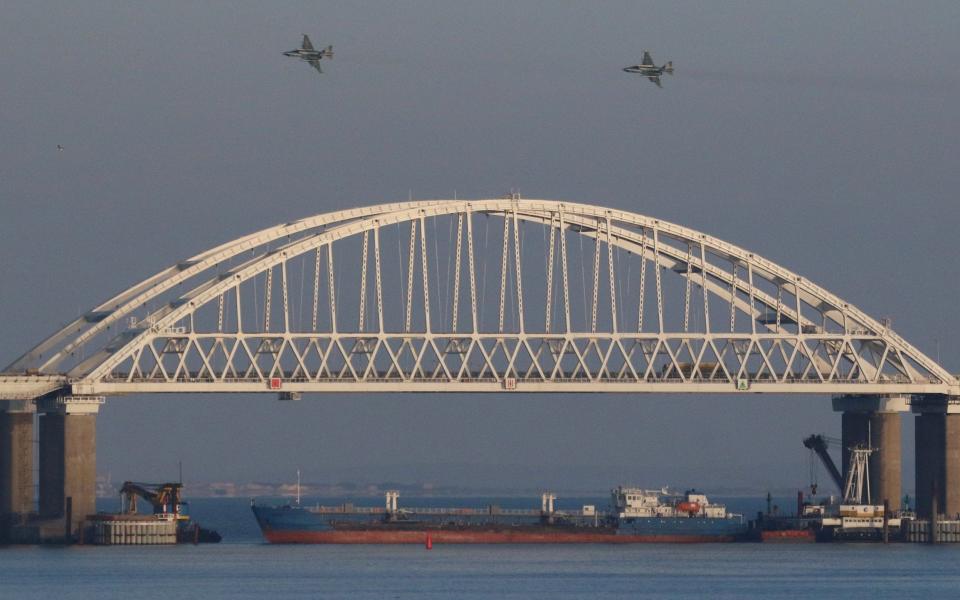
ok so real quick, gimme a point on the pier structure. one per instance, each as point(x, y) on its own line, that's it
point(68, 460)
point(874, 421)
point(500, 295)
point(16, 463)
point(938, 456)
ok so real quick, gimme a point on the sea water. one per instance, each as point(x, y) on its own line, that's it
point(243, 566)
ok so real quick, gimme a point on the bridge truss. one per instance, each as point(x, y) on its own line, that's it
point(476, 295)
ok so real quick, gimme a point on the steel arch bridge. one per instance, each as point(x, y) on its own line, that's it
point(481, 296)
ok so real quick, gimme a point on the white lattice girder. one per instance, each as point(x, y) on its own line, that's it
point(327, 228)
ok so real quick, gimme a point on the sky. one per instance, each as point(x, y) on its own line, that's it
point(821, 135)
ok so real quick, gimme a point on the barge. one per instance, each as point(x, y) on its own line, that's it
point(167, 523)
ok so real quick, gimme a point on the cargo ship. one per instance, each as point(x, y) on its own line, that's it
point(635, 516)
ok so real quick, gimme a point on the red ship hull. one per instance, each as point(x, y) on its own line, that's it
point(441, 536)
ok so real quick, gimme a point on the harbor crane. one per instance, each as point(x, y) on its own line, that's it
point(164, 497)
point(818, 444)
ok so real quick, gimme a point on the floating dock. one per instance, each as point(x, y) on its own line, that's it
point(132, 530)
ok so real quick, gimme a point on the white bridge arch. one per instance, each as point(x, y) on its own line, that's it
point(476, 295)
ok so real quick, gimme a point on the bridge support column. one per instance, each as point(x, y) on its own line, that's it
point(68, 459)
point(16, 462)
point(937, 454)
point(874, 421)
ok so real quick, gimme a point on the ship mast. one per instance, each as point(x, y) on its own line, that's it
point(857, 487)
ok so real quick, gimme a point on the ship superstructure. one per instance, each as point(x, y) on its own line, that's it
point(637, 502)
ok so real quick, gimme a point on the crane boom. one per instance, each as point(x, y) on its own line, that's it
point(818, 444)
point(164, 497)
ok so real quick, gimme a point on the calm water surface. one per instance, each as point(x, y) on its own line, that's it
point(244, 567)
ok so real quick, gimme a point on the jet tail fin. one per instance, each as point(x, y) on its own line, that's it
point(668, 68)
point(328, 51)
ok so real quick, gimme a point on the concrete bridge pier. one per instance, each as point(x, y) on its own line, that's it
point(68, 460)
point(937, 454)
point(874, 420)
point(16, 462)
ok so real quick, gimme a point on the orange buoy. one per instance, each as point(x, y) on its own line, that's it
point(429, 542)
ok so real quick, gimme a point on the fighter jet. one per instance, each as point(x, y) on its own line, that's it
point(308, 53)
point(650, 70)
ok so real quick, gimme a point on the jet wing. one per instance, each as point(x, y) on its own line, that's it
point(316, 65)
point(306, 43)
point(647, 60)
point(656, 80)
